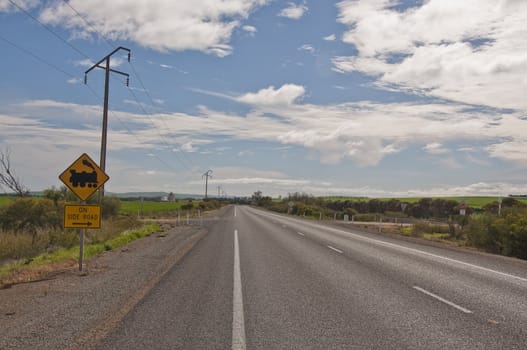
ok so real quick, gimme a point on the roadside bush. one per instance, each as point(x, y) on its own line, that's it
point(505, 235)
point(279, 208)
point(110, 206)
point(480, 234)
point(210, 204)
point(366, 217)
point(422, 228)
point(28, 215)
point(63, 239)
point(187, 206)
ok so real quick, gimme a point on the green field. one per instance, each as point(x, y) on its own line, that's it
point(5, 200)
point(474, 202)
point(147, 207)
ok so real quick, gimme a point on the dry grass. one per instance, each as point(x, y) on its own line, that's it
point(21, 245)
point(42, 265)
point(16, 246)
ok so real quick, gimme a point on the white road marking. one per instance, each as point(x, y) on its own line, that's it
point(460, 308)
point(335, 249)
point(234, 211)
point(387, 244)
point(238, 324)
point(301, 234)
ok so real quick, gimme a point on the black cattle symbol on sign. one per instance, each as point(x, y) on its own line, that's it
point(84, 178)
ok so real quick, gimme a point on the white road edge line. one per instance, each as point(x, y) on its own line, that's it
point(335, 249)
point(460, 308)
point(387, 244)
point(238, 324)
point(300, 233)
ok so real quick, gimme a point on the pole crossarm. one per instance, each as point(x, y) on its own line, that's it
point(107, 59)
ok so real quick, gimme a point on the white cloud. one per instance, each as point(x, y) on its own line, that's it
point(307, 47)
point(6, 6)
point(285, 95)
point(84, 63)
point(513, 150)
point(293, 11)
point(470, 51)
point(189, 147)
point(363, 132)
point(331, 37)
point(74, 81)
point(87, 63)
point(435, 148)
point(245, 153)
point(163, 25)
point(475, 189)
point(249, 29)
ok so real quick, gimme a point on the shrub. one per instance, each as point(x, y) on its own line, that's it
point(29, 215)
point(187, 206)
point(110, 207)
point(365, 217)
point(505, 235)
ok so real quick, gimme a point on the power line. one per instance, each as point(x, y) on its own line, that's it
point(85, 56)
point(155, 127)
point(129, 130)
point(44, 61)
point(49, 29)
point(136, 74)
point(88, 23)
point(38, 58)
point(153, 105)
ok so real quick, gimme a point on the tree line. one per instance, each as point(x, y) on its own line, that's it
point(499, 228)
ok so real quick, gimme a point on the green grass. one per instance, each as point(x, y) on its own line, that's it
point(436, 236)
point(135, 207)
point(60, 256)
point(5, 200)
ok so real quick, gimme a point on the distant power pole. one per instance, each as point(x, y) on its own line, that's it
point(107, 69)
point(207, 174)
point(219, 189)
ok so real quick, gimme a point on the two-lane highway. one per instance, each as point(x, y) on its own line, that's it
point(264, 281)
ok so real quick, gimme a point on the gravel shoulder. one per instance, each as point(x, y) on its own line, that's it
point(76, 310)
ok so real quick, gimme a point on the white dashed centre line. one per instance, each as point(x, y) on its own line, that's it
point(300, 233)
point(460, 308)
point(238, 323)
point(335, 249)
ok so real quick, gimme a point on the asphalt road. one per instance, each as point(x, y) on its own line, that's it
point(259, 280)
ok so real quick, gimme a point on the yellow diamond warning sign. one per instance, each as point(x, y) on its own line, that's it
point(83, 177)
point(82, 216)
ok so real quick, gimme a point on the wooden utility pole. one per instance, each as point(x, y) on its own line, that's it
point(206, 175)
point(107, 70)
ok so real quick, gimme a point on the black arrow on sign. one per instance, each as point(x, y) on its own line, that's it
point(82, 223)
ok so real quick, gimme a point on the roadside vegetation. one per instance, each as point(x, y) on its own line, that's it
point(487, 225)
point(32, 233)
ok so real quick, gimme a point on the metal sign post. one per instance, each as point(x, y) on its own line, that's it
point(82, 233)
point(83, 178)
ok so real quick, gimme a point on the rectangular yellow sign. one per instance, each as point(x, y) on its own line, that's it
point(82, 216)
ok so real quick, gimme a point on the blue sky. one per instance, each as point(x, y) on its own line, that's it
point(366, 98)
